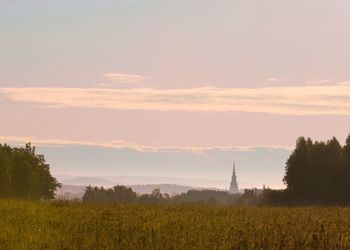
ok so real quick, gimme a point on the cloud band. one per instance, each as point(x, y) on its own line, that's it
point(120, 144)
point(305, 100)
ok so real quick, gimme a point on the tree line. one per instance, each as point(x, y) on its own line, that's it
point(25, 174)
point(122, 194)
point(315, 173)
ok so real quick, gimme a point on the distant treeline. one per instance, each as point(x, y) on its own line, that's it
point(122, 194)
point(25, 174)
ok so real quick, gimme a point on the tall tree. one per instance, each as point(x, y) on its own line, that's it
point(24, 174)
point(319, 172)
point(5, 168)
point(298, 167)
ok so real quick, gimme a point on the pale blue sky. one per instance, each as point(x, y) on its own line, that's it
point(255, 167)
point(175, 43)
point(161, 54)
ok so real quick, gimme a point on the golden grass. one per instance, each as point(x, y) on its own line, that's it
point(62, 225)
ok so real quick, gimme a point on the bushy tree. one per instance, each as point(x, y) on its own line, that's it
point(25, 174)
point(206, 196)
point(156, 197)
point(346, 154)
point(5, 170)
point(319, 172)
point(117, 194)
point(249, 197)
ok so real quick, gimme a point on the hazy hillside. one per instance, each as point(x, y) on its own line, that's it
point(76, 192)
point(171, 189)
point(86, 181)
point(109, 181)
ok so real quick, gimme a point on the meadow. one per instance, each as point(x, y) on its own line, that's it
point(63, 225)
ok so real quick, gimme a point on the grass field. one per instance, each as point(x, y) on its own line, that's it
point(44, 225)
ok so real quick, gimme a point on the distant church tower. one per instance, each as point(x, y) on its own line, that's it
point(234, 185)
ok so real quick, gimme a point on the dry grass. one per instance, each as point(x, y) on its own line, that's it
point(60, 225)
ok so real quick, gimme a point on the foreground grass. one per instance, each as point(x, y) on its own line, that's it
point(44, 225)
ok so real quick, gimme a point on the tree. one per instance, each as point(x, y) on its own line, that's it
point(319, 172)
point(156, 197)
point(5, 168)
point(117, 194)
point(346, 154)
point(122, 194)
point(298, 167)
point(24, 174)
point(249, 197)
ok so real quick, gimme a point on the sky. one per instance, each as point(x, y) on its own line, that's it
point(173, 88)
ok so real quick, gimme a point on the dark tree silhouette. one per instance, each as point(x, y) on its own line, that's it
point(117, 194)
point(5, 168)
point(319, 172)
point(25, 174)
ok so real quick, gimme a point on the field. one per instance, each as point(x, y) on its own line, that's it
point(59, 225)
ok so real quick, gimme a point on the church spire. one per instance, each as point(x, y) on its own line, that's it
point(234, 185)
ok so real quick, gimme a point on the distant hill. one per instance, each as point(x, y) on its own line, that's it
point(109, 181)
point(73, 187)
point(86, 181)
point(76, 192)
point(171, 189)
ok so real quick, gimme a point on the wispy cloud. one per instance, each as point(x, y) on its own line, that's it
point(124, 78)
point(319, 82)
point(302, 100)
point(273, 79)
point(120, 144)
point(345, 83)
point(324, 81)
